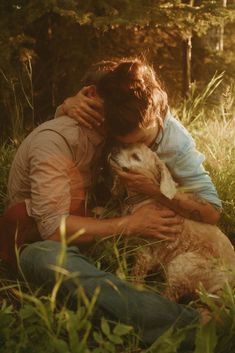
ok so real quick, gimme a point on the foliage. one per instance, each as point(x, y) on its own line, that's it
point(194, 107)
point(36, 328)
point(209, 116)
point(32, 323)
point(219, 157)
point(51, 43)
point(6, 156)
point(45, 51)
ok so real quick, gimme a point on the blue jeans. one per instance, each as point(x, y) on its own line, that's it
point(146, 311)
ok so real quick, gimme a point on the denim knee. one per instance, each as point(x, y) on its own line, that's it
point(38, 260)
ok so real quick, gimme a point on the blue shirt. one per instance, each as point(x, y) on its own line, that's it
point(176, 147)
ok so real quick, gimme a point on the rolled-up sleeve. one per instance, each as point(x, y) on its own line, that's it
point(189, 172)
point(49, 163)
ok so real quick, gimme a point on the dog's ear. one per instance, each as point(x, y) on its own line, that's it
point(167, 184)
point(118, 188)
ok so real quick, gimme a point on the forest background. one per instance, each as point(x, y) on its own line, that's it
point(46, 47)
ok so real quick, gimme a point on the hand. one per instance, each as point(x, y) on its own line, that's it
point(140, 181)
point(86, 107)
point(151, 222)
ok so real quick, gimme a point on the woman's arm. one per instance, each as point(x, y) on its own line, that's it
point(86, 107)
point(191, 206)
point(188, 205)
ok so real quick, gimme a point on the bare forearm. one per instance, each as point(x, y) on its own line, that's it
point(191, 206)
point(93, 228)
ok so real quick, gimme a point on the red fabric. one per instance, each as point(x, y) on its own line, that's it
point(16, 229)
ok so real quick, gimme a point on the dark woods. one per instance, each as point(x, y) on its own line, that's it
point(47, 45)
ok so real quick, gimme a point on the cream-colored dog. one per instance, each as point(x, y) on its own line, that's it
point(201, 254)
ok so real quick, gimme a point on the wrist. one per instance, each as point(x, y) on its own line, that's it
point(131, 226)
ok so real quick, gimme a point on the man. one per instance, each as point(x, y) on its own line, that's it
point(51, 173)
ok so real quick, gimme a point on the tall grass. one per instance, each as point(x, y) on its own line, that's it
point(6, 155)
point(31, 320)
point(216, 140)
point(18, 97)
point(36, 328)
point(32, 323)
point(210, 117)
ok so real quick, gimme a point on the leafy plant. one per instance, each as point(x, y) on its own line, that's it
point(6, 155)
point(32, 320)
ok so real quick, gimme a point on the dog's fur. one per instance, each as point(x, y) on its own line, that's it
point(201, 254)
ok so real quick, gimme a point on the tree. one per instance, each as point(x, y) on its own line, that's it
point(50, 43)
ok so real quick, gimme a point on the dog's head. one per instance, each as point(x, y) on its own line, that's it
point(140, 156)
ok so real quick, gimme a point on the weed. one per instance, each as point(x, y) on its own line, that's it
point(31, 321)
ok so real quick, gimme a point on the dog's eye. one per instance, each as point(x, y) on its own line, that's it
point(125, 169)
point(136, 157)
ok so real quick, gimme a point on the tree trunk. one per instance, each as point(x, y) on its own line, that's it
point(187, 60)
point(186, 65)
point(221, 31)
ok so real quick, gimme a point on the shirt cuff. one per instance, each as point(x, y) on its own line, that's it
point(48, 226)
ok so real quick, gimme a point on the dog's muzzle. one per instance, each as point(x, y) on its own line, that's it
point(113, 160)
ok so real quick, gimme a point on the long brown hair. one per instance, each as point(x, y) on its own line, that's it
point(133, 96)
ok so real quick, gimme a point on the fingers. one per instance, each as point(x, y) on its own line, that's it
point(131, 182)
point(85, 91)
point(83, 122)
point(90, 92)
point(137, 180)
point(162, 227)
point(138, 171)
point(127, 175)
point(87, 110)
point(119, 171)
point(86, 106)
point(94, 102)
point(132, 173)
point(81, 118)
point(85, 116)
point(94, 107)
point(166, 213)
point(170, 230)
point(152, 225)
point(163, 237)
point(90, 116)
point(173, 221)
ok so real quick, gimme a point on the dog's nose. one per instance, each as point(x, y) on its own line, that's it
point(115, 150)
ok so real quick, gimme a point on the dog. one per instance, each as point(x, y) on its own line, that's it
point(200, 255)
